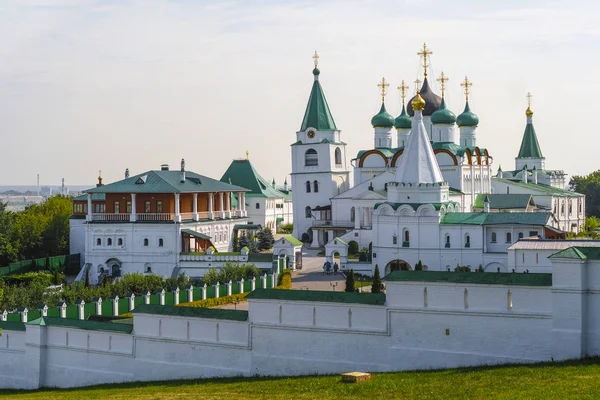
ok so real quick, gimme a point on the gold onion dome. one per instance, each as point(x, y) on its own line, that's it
point(529, 112)
point(417, 102)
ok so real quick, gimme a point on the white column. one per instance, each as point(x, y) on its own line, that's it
point(228, 205)
point(244, 212)
point(204, 292)
point(177, 212)
point(315, 241)
point(357, 217)
point(221, 211)
point(239, 205)
point(229, 284)
point(210, 205)
point(133, 216)
point(195, 211)
point(190, 293)
point(88, 215)
point(99, 306)
point(253, 284)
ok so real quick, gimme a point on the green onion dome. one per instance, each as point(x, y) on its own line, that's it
point(403, 121)
point(316, 71)
point(443, 115)
point(383, 119)
point(467, 118)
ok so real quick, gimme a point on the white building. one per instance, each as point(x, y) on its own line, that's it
point(266, 204)
point(147, 222)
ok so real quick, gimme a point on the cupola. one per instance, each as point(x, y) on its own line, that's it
point(467, 117)
point(383, 119)
point(443, 115)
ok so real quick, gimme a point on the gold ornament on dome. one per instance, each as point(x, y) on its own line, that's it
point(418, 104)
point(529, 111)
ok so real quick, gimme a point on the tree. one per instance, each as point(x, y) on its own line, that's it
point(265, 239)
point(352, 248)
point(590, 186)
point(350, 282)
point(377, 286)
point(419, 266)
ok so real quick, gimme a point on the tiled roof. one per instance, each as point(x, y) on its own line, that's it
point(85, 325)
point(541, 244)
point(579, 253)
point(166, 182)
point(539, 187)
point(242, 173)
point(499, 218)
point(504, 201)
point(318, 296)
point(194, 312)
point(483, 278)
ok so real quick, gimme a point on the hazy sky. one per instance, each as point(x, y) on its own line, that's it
point(88, 85)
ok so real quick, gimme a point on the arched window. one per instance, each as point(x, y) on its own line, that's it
point(493, 237)
point(352, 214)
point(467, 240)
point(98, 242)
point(161, 242)
point(311, 158)
point(520, 235)
point(447, 240)
point(307, 212)
point(406, 236)
point(307, 186)
point(315, 186)
point(338, 156)
point(146, 242)
point(120, 242)
point(109, 242)
point(508, 237)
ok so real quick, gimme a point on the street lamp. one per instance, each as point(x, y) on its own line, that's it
point(333, 285)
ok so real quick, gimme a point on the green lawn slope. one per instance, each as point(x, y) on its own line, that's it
point(569, 380)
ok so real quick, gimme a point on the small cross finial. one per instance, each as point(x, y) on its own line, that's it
point(99, 173)
point(316, 59)
point(528, 99)
point(425, 52)
point(402, 88)
point(247, 154)
point(466, 84)
point(383, 85)
point(417, 84)
point(443, 79)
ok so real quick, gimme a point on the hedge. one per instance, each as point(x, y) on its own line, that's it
point(219, 301)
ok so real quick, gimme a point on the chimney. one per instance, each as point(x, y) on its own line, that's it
point(486, 204)
point(535, 175)
point(182, 173)
point(164, 167)
point(524, 172)
point(285, 187)
point(126, 173)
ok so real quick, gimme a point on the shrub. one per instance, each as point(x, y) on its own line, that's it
point(220, 301)
point(285, 228)
point(377, 286)
point(230, 272)
point(462, 268)
point(352, 248)
point(419, 266)
point(265, 239)
point(350, 282)
point(284, 280)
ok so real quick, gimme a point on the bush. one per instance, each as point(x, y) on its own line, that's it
point(352, 248)
point(284, 280)
point(27, 278)
point(265, 239)
point(285, 228)
point(350, 282)
point(462, 268)
point(220, 301)
point(419, 266)
point(377, 286)
point(231, 272)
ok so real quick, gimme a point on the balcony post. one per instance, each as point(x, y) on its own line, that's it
point(88, 216)
point(210, 205)
point(177, 212)
point(133, 216)
point(228, 205)
point(221, 212)
point(195, 212)
point(244, 211)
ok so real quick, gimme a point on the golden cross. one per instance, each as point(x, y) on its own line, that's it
point(99, 173)
point(383, 85)
point(528, 99)
point(417, 85)
point(466, 84)
point(316, 59)
point(443, 79)
point(425, 53)
point(247, 154)
point(402, 88)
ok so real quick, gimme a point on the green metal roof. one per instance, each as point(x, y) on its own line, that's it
point(386, 152)
point(496, 218)
point(450, 146)
point(194, 312)
point(12, 326)
point(319, 296)
point(403, 121)
point(504, 201)
point(539, 187)
point(95, 197)
point(167, 182)
point(443, 115)
point(242, 173)
point(382, 119)
point(260, 257)
point(481, 278)
point(292, 240)
point(467, 117)
point(579, 253)
point(82, 324)
point(317, 113)
point(530, 148)
point(195, 234)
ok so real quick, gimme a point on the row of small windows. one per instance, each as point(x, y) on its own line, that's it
point(109, 242)
point(311, 158)
point(315, 186)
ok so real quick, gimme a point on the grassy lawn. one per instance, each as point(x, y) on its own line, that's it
point(570, 380)
point(359, 284)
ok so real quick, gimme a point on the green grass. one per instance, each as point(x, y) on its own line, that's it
point(569, 380)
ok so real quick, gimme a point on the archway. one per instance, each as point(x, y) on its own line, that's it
point(495, 267)
point(397, 265)
point(337, 260)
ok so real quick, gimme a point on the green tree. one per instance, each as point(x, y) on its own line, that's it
point(590, 186)
point(419, 266)
point(377, 286)
point(350, 282)
point(265, 239)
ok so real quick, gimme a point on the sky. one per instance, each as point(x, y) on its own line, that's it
point(89, 85)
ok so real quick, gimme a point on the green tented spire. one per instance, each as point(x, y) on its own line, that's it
point(317, 113)
point(530, 147)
